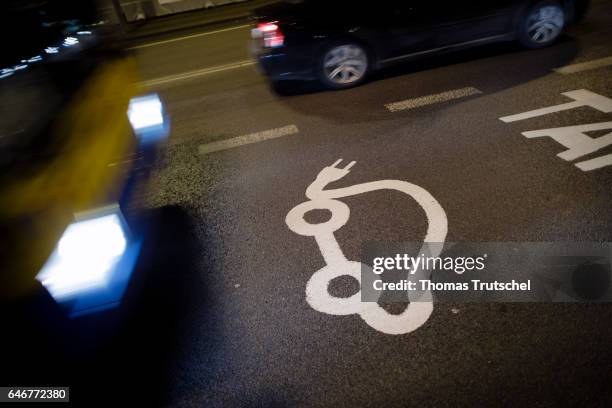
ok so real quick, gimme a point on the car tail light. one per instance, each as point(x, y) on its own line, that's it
point(271, 33)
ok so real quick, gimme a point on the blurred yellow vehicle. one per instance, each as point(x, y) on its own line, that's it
point(76, 134)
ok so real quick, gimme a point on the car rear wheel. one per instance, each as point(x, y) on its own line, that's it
point(542, 24)
point(343, 65)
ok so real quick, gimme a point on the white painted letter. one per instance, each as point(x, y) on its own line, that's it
point(582, 97)
point(596, 163)
point(575, 139)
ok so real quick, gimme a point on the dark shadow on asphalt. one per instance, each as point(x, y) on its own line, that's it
point(531, 64)
point(123, 356)
point(542, 60)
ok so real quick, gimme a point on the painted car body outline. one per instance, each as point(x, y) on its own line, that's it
point(317, 294)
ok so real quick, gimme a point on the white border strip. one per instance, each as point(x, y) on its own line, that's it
point(248, 139)
point(432, 99)
point(585, 66)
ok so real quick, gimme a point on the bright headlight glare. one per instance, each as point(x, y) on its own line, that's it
point(85, 257)
point(145, 112)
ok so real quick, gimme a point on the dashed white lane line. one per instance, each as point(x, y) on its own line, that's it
point(196, 73)
point(431, 99)
point(248, 139)
point(152, 44)
point(585, 66)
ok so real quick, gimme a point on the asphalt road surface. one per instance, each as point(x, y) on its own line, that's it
point(247, 335)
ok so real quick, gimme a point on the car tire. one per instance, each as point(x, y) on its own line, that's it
point(343, 64)
point(542, 24)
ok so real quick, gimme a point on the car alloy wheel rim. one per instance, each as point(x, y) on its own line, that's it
point(345, 64)
point(545, 24)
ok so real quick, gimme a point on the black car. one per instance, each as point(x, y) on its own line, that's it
point(339, 42)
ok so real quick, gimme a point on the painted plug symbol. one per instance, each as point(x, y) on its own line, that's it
point(328, 175)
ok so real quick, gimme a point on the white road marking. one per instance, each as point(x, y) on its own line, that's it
point(317, 293)
point(575, 138)
point(197, 73)
point(582, 97)
point(585, 66)
point(595, 163)
point(431, 99)
point(152, 44)
point(248, 139)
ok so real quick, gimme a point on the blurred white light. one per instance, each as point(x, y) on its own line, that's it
point(5, 72)
point(84, 32)
point(52, 50)
point(85, 257)
point(70, 41)
point(145, 112)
